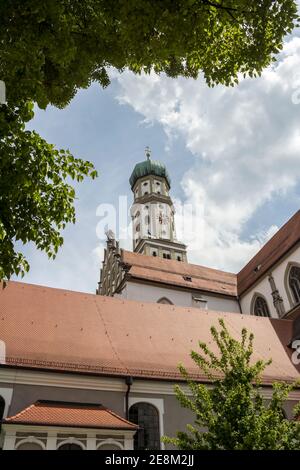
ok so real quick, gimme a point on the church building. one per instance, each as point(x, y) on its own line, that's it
point(82, 371)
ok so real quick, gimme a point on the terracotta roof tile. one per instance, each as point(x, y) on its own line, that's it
point(70, 414)
point(287, 237)
point(72, 331)
point(173, 272)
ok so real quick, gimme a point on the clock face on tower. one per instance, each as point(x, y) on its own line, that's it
point(162, 218)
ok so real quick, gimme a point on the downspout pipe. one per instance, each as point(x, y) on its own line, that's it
point(239, 303)
point(128, 382)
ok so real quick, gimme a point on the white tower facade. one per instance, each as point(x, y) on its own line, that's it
point(153, 212)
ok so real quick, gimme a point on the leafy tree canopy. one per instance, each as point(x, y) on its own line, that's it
point(232, 414)
point(49, 49)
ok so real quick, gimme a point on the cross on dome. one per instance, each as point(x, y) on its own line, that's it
point(148, 152)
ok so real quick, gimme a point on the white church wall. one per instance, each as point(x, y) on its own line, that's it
point(151, 293)
point(109, 391)
point(263, 286)
point(222, 304)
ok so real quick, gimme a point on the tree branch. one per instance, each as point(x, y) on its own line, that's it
point(223, 7)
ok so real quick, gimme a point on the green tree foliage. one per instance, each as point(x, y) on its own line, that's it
point(231, 414)
point(35, 200)
point(49, 49)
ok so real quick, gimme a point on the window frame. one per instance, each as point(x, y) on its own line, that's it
point(158, 403)
point(289, 292)
point(256, 296)
point(30, 440)
point(110, 441)
point(70, 440)
point(6, 394)
point(160, 301)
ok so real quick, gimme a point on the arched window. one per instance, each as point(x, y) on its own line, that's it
point(284, 413)
point(109, 447)
point(29, 446)
point(164, 300)
point(260, 307)
point(69, 446)
point(2, 407)
point(146, 417)
point(294, 283)
point(30, 443)
point(109, 444)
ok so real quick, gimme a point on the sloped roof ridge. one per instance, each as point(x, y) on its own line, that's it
point(115, 415)
point(270, 253)
point(276, 235)
point(61, 290)
point(46, 404)
point(183, 263)
point(21, 413)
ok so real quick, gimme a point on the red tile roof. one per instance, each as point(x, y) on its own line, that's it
point(71, 415)
point(285, 239)
point(173, 272)
point(72, 331)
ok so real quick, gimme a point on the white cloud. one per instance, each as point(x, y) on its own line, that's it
point(246, 146)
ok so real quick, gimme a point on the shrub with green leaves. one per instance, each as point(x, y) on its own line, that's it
point(231, 413)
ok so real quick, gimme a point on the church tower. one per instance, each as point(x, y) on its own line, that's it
point(153, 212)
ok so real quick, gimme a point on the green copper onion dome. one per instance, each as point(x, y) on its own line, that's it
point(148, 167)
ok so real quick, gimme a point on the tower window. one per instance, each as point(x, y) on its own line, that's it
point(158, 187)
point(178, 258)
point(138, 228)
point(145, 193)
point(154, 253)
point(166, 255)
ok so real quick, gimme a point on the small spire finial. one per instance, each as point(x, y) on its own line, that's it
point(147, 152)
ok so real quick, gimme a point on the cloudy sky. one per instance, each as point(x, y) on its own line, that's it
point(233, 155)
